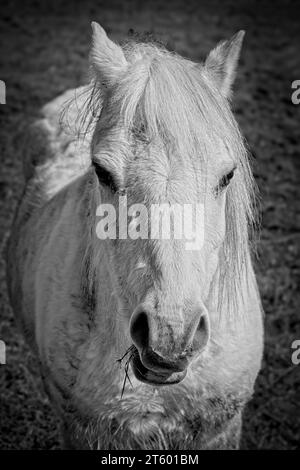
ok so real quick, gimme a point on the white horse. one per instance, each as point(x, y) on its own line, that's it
point(184, 327)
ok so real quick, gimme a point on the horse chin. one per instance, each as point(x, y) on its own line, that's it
point(151, 377)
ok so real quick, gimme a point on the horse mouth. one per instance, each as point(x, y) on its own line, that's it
point(151, 377)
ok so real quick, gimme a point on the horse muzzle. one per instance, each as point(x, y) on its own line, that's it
point(164, 348)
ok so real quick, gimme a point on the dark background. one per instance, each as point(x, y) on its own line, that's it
point(44, 50)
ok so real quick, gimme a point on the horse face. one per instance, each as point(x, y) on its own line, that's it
point(163, 280)
point(163, 277)
point(170, 326)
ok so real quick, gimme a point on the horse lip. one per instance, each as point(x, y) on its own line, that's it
point(154, 378)
point(168, 369)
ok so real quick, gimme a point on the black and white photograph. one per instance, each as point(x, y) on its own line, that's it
point(150, 227)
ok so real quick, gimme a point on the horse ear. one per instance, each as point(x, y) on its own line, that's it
point(107, 58)
point(222, 62)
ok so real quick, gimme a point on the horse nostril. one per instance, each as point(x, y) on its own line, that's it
point(139, 329)
point(201, 337)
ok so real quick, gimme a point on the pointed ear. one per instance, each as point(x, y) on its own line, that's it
point(106, 58)
point(222, 61)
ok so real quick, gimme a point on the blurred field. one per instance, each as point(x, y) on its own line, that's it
point(44, 51)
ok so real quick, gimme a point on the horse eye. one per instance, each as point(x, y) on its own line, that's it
point(224, 181)
point(105, 177)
